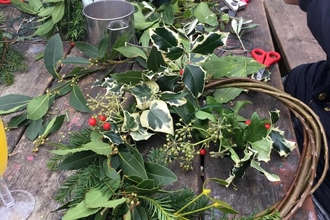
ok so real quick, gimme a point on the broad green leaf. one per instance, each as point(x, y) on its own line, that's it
point(231, 66)
point(87, 49)
point(53, 54)
point(54, 125)
point(240, 105)
point(160, 174)
point(109, 171)
point(77, 99)
point(97, 145)
point(168, 15)
point(131, 166)
point(155, 60)
point(158, 118)
point(103, 46)
point(94, 197)
point(132, 77)
point(45, 28)
point(35, 4)
point(112, 203)
point(63, 88)
point(167, 83)
point(13, 102)
point(120, 42)
point(202, 115)
point(207, 43)
point(164, 38)
point(46, 11)
point(131, 52)
point(33, 129)
point(193, 79)
point(140, 22)
point(76, 60)
point(204, 15)
point(24, 7)
point(78, 160)
point(17, 120)
point(226, 94)
point(264, 148)
point(142, 188)
point(79, 211)
point(270, 177)
point(58, 12)
point(68, 151)
point(38, 107)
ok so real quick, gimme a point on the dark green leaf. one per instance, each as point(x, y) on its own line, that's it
point(168, 15)
point(131, 166)
point(17, 120)
point(206, 44)
point(63, 88)
point(78, 160)
point(33, 129)
point(58, 12)
point(13, 102)
point(113, 137)
point(38, 107)
point(164, 38)
point(103, 47)
point(77, 99)
point(54, 125)
point(45, 29)
point(160, 174)
point(87, 49)
point(53, 54)
point(155, 60)
point(167, 83)
point(175, 53)
point(132, 77)
point(281, 145)
point(76, 60)
point(256, 130)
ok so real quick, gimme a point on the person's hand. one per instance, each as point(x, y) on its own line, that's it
point(292, 2)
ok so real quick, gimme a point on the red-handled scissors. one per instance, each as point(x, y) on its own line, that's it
point(5, 2)
point(266, 58)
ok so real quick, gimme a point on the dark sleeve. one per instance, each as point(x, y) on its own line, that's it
point(318, 21)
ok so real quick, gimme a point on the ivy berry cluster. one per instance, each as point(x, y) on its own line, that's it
point(100, 120)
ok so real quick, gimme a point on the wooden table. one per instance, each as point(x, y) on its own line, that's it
point(28, 170)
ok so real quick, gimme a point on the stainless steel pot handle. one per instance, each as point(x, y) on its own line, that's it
point(117, 25)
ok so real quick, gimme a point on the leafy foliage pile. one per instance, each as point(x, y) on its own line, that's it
point(113, 179)
point(11, 61)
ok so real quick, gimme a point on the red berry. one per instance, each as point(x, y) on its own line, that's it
point(247, 122)
point(102, 118)
point(106, 126)
point(72, 44)
point(267, 126)
point(92, 121)
point(181, 72)
point(202, 152)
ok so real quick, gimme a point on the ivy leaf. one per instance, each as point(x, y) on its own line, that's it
point(58, 12)
point(160, 174)
point(193, 79)
point(53, 53)
point(97, 145)
point(33, 129)
point(155, 60)
point(13, 102)
point(131, 122)
point(79, 211)
point(206, 44)
point(87, 49)
point(38, 107)
point(131, 166)
point(77, 99)
point(164, 38)
point(143, 95)
point(158, 118)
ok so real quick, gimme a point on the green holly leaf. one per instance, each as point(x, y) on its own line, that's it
point(155, 60)
point(97, 145)
point(204, 15)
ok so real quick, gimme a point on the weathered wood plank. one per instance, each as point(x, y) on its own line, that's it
point(254, 192)
point(295, 41)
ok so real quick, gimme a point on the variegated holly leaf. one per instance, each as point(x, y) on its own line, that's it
point(207, 43)
point(144, 93)
point(193, 79)
point(158, 117)
point(164, 38)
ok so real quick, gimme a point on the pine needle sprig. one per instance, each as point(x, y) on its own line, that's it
point(158, 207)
point(78, 138)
